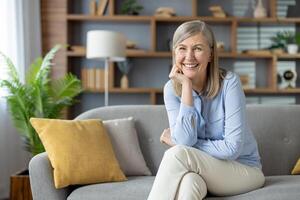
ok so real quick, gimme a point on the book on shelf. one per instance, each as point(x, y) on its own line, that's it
point(84, 78)
point(102, 6)
point(93, 7)
point(92, 78)
point(99, 78)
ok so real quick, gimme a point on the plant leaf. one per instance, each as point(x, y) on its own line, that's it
point(43, 74)
point(68, 86)
point(33, 70)
point(39, 96)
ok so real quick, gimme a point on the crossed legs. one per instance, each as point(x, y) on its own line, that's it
point(188, 173)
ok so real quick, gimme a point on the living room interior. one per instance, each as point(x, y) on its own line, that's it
point(106, 53)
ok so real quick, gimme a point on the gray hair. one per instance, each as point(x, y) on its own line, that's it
point(215, 75)
point(192, 28)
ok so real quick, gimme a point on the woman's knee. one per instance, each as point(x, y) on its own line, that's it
point(194, 181)
point(192, 186)
point(176, 151)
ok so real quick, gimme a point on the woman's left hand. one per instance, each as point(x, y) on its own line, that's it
point(177, 75)
point(166, 137)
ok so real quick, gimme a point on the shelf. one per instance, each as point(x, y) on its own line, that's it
point(143, 54)
point(188, 18)
point(253, 56)
point(73, 26)
point(167, 54)
point(256, 20)
point(268, 20)
point(128, 18)
point(159, 91)
point(128, 90)
point(272, 91)
point(289, 20)
point(289, 56)
point(149, 54)
point(139, 18)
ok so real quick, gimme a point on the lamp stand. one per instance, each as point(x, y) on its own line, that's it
point(106, 82)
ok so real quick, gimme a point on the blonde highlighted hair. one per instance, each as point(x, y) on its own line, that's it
point(215, 75)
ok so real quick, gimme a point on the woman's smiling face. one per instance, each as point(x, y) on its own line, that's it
point(192, 56)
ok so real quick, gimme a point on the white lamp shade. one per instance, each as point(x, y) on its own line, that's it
point(102, 44)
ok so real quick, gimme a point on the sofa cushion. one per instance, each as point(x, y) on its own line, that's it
point(80, 151)
point(124, 139)
point(276, 188)
point(150, 121)
point(135, 188)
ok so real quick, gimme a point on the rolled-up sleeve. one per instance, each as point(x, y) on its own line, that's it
point(183, 119)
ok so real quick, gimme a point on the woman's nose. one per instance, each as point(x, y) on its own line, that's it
point(190, 54)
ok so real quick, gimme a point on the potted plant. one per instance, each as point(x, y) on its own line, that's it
point(39, 96)
point(290, 40)
point(286, 40)
point(131, 7)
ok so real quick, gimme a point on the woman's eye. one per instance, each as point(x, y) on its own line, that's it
point(181, 48)
point(198, 49)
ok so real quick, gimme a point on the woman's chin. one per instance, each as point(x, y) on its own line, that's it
point(190, 75)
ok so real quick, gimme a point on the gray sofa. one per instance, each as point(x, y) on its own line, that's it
point(276, 128)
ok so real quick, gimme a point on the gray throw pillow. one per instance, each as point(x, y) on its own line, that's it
point(125, 143)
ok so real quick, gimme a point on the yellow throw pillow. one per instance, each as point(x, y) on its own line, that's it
point(80, 151)
point(296, 169)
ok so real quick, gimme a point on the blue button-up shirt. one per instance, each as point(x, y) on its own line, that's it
point(216, 126)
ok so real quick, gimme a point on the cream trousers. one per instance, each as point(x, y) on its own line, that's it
point(188, 173)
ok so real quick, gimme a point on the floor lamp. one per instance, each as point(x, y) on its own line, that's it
point(107, 46)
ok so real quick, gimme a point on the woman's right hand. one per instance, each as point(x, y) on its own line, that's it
point(177, 75)
point(165, 137)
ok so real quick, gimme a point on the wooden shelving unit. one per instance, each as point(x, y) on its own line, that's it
point(62, 19)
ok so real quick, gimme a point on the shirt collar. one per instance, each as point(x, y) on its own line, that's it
point(195, 94)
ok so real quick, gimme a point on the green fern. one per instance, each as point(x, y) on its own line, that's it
point(39, 96)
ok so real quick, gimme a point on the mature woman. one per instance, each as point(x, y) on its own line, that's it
point(213, 149)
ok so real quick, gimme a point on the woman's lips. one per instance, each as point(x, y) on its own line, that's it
point(190, 66)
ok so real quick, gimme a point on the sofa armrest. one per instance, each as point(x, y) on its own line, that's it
point(41, 180)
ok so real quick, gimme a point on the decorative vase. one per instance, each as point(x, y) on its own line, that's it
point(124, 82)
point(259, 10)
point(292, 48)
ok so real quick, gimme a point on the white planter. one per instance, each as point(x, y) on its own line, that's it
point(292, 48)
